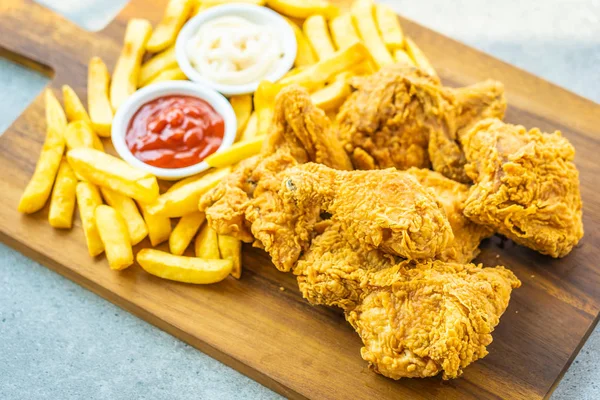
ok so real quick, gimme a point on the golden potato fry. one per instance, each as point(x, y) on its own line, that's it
point(316, 31)
point(88, 198)
point(231, 249)
point(107, 171)
point(39, 187)
point(304, 8)
point(264, 104)
point(251, 130)
point(183, 269)
point(80, 134)
point(100, 110)
point(362, 13)
point(343, 31)
point(171, 74)
point(402, 57)
point(184, 199)
point(73, 107)
point(184, 232)
point(157, 64)
point(186, 181)
point(126, 74)
point(236, 153)
point(207, 243)
point(62, 202)
point(126, 207)
point(419, 57)
point(332, 96)
point(389, 27)
point(305, 54)
point(56, 119)
point(166, 31)
point(159, 227)
point(242, 106)
point(323, 71)
point(114, 236)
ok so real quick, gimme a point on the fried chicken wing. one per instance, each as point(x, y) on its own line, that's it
point(452, 195)
point(385, 208)
point(526, 186)
point(401, 117)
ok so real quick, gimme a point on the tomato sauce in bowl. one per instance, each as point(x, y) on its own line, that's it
point(174, 131)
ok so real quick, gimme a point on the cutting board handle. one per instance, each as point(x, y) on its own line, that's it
point(32, 34)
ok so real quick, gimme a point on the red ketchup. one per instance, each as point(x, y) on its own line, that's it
point(175, 132)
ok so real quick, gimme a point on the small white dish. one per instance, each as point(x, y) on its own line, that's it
point(256, 14)
point(127, 110)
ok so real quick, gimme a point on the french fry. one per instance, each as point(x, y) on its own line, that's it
point(304, 8)
point(251, 130)
point(100, 110)
point(419, 57)
point(264, 104)
point(389, 27)
point(325, 70)
point(343, 31)
point(126, 74)
point(184, 232)
point(80, 134)
point(88, 198)
point(207, 243)
point(305, 54)
point(242, 106)
point(39, 187)
point(231, 249)
point(236, 153)
point(126, 207)
point(171, 74)
point(332, 96)
point(184, 199)
point(402, 57)
point(62, 202)
point(316, 31)
point(157, 64)
point(115, 238)
point(73, 107)
point(183, 269)
point(159, 227)
point(362, 13)
point(107, 171)
point(166, 31)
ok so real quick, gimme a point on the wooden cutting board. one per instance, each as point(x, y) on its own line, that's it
point(260, 325)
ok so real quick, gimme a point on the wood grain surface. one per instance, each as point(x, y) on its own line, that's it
point(273, 335)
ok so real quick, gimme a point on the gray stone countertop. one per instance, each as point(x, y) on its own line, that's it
point(59, 341)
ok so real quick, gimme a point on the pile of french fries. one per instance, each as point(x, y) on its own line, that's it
point(119, 206)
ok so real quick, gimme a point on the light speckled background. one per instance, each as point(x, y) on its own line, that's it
point(59, 341)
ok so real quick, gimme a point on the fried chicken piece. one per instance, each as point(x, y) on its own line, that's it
point(385, 208)
point(337, 269)
point(437, 317)
point(527, 187)
point(246, 205)
point(401, 117)
point(416, 319)
point(452, 195)
point(305, 129)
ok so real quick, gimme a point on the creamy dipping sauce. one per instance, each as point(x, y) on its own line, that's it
point(234, 51)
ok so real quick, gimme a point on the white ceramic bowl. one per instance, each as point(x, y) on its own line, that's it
point(256, 14)
point(151, 92)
